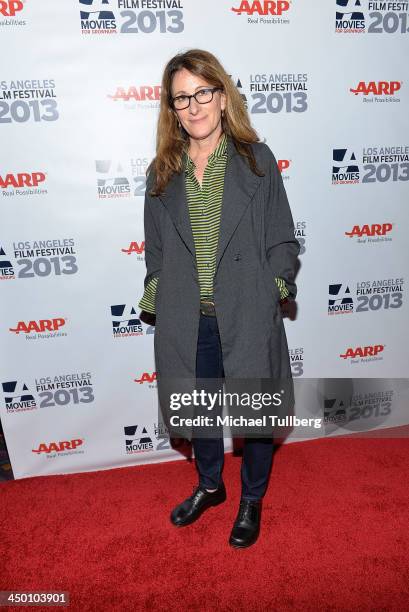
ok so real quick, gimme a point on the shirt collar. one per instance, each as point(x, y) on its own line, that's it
point(220, 151)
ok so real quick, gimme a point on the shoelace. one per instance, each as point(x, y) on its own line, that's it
point(246, 510)
point(196, 489)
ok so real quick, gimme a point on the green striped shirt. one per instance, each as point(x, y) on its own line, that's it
point(205, 205)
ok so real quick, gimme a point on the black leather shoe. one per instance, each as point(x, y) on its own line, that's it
point(189, 510)
point(246, 527)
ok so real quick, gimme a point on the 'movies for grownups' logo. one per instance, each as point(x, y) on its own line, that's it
point(119, 179)
point(372, 17)
point(48, 392)
point(138, 17)
point(365, 296)
point(371, 164)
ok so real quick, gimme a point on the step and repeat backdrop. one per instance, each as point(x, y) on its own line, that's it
point(326, 86)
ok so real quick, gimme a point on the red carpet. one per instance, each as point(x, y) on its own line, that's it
point(334, 536)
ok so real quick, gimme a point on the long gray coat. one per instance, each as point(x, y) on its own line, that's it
point(256, 244)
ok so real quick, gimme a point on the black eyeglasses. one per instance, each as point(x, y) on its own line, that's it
point(203, 96)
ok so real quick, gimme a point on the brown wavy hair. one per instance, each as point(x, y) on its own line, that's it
point(171, 139)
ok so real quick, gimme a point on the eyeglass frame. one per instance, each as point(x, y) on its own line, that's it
point(212, 89)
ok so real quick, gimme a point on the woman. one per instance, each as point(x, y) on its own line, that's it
point(220, 255)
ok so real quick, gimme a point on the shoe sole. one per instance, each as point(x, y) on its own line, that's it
point(243, 545)
point(237, 545)
point(189, 522)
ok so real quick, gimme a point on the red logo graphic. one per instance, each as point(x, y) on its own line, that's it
point(141, 94)
point(55, 447)
point(22, 179)
point(376, 229)
point(10, 8)
point(134, 247)
point(283, 164)
point(262, 7)
point(381, 87)
point(38, 326)
point(363, 351)
point(146, 377)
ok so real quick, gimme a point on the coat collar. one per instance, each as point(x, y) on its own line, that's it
point(240, 185)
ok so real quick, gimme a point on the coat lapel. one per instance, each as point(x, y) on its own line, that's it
point(175, 200)
point(240, 184)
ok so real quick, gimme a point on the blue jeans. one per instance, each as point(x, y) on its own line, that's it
point(209, 452)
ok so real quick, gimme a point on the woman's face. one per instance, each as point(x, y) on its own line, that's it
point(199, 120)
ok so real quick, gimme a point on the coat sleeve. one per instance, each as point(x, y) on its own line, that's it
point(147, 303)
point(153, 253)
point(282, 248)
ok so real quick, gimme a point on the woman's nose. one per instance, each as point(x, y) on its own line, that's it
point(194, 106)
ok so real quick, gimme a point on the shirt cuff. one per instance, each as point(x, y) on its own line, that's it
point(147, 302)
point(282, 287)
